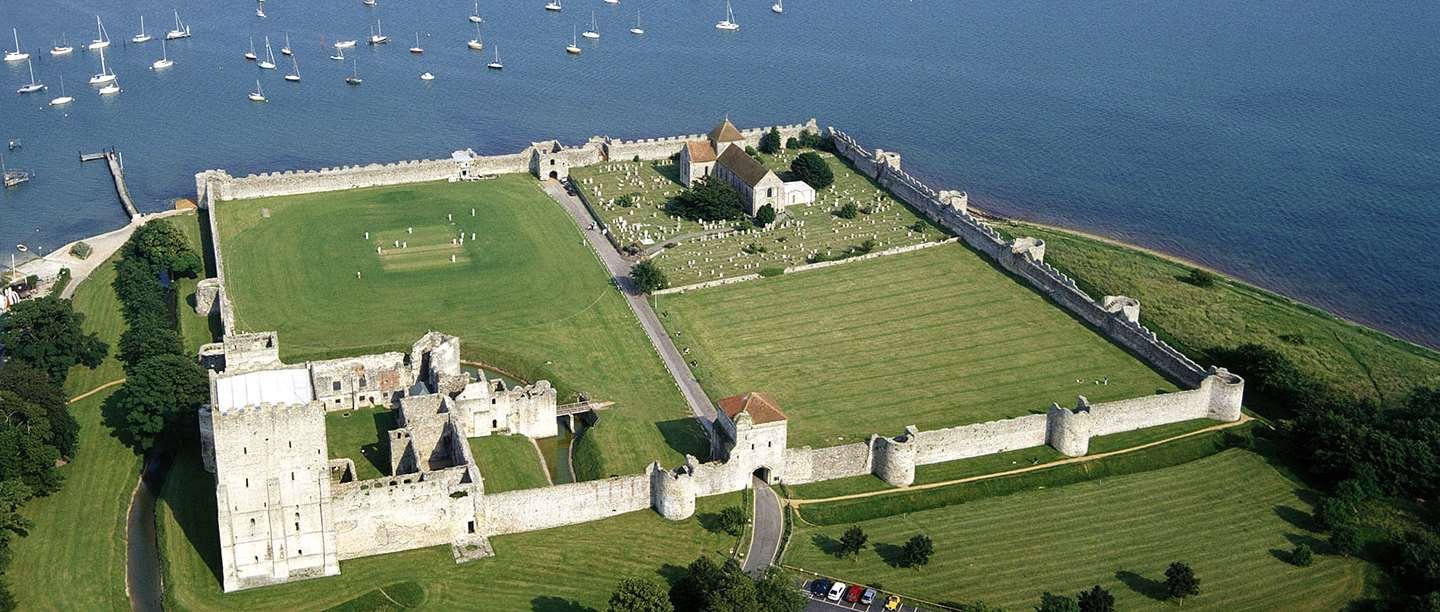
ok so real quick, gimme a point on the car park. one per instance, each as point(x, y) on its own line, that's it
point(836, 591)
point(820, 587)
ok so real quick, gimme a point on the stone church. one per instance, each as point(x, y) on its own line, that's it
point(722, 154)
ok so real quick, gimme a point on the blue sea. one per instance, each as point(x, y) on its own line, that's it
point(1293, 144)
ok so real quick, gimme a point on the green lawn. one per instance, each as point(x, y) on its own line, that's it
point(564, 569)
point(508, 463)
point(526, 294)
point(812, 227)
point(360, 436)
point(933, 338)
point(1230, 516)
point(195, 330)
point(1354, 359)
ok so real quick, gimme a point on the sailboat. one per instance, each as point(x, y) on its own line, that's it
point(728, 23)
point(33, 86)
point(294, 76)
point(17, 54)
point(181, 30)
point(63, 48)
point(593, 32)
point(164, 61)
point(573, 49)
point(637, 30)
point(260, 9)
point(339, 54)
point(13, 178)
point(417, 49)
point(105, 75)
point(102, 39)
point(553, 5)
point(250, 55)
point(778, 7)
point(425, 76)
point(258, 95)
point(142, 37)
point(477, 43)
point(354, 78)
point(269, 62)
point(496, 65)
point(612, 1)
point(63, 99)
point(344, 44)
point(285, 50)
point(475, 16)
point(110, 90)
point(368, 2)
point(376, 36)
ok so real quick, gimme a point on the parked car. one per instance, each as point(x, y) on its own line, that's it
point(892, 602)
point(820, 587)
point(836, 591)
point(868, 597)
point(853, 595)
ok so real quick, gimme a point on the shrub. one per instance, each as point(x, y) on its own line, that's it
point(1050, 602)
point(711, 199)
point(1201, 278)
point(639, 595)
point(648, 277)
point(1301, 556)
point(917, 551)
point(626, 201)
point(752, 249)
point(792, 143)
point(770, 142)
point(847, 211)
point(636, 158)
point(768, 272)
point(732, 518)
point(81, 249)
point(812, 169)
point(765, 216)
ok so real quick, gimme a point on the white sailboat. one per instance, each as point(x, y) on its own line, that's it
point(181, 30)
point(164, 61)
point(417, 49)
point(339, 55)
point(425, 76)
point(728, 23)
point(477, 43)
point(612, 1)
point(378, 37)
point(294, 76)
point(553, 5)
point(368, 2)
point(285, 50)
point(475, 16)
point(260, 9)
point(258, 95)
point(110, 90)
point(250, 55)
point(574, 48)
point(62, 99)
point(637, 30)
point(778, 7)
point(593, 32)
point(17, 55)
point(105, 75)
point(142, 37)
point(269, 62)
point(33, 86)
point(496, 65)
point(102, 39)
point(344, 44)
point(354, 78)
point(63, 48)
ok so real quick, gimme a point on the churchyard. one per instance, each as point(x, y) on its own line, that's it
point(933, 338)
point(804, 229)
point(523, 293)
point(1231, 517)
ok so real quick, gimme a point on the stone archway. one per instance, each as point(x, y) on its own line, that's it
point(554, 175)
point(763, 473)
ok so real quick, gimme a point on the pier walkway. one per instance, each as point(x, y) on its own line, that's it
point(117, 172)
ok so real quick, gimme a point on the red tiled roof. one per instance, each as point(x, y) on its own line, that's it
point(700, 151)
point(726, 132)
point(762, 407)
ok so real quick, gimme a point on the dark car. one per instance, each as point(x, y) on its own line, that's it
point(820, 586)
point(853, 595)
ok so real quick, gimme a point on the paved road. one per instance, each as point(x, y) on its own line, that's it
point(619, 269)
point(769, 526)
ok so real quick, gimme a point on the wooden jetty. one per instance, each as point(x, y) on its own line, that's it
point(117, 172)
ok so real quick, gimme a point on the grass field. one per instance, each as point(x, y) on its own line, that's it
point(508, 463)
point(933, 338)
point(1352, 358)
point(810, 228)
point(1230, 516)
point(527, 295)
point(359, 435)
point(561, 570)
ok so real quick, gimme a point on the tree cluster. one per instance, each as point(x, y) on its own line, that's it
point(710, 587)
point(809, 140)
point(812, 169)
point(770, 142)
point(648, 277)
point(710, 199)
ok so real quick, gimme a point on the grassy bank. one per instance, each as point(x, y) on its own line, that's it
point(1230, 516)
point(1349, 357)
point(508, 463)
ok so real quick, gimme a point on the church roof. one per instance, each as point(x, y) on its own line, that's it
point(700, 151)
point(744, 166)
point(725, 132)
point(762, 407)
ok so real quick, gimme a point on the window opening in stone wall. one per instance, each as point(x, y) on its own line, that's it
point(494, 423)
point(297, 526)
point(247, 483)
point(362, 382)
point(290, 443)
point(470, 526)
point(335, 385)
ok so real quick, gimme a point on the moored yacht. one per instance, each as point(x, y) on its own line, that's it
point(181, 30)
point(17, 55)
point(142, 37)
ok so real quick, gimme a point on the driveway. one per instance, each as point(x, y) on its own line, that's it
point(767, 529)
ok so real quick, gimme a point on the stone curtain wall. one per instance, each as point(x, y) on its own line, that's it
point(1041, 276)
point(567, 504)
point(807, 464)
point(651, 149)
point(373, 517)
point(293, 182)
point(967, 441)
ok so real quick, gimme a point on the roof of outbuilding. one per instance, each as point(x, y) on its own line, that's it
point(762, 407)
point(726, 132)
point(744, 166)
point(700, 151)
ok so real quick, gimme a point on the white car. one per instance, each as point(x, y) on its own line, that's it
point(837, 591)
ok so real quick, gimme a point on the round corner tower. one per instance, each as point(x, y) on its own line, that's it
point(672, 492)
point(894, 458)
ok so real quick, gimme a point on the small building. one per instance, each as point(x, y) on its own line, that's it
point(755, 432)
point(723, 154)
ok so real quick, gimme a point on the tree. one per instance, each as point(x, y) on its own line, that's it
point(37, 388)
point(639, 595)
point(792, 143)
point(26, 452)
point(1345, 539)
point(732, 518)
point(1201, 278)
point(775, 593)
point(917, 551)
point(706, 587)
point(770, 142)
point(49, 335)
point(710, 199)
point(1180, 581)
point(159, 393)
point(847, 210)
point(812, 169)
point(1301, 556)
point(1097, 599)
point(853, 541)
point(162, 246)
point(1050, 602)
point(765, 216)
point(139, 343)
point(648, 277)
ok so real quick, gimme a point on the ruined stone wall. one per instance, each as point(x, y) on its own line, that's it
point(649, 149)
point(567, 504)
point(385, 515)
point(807, 464)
